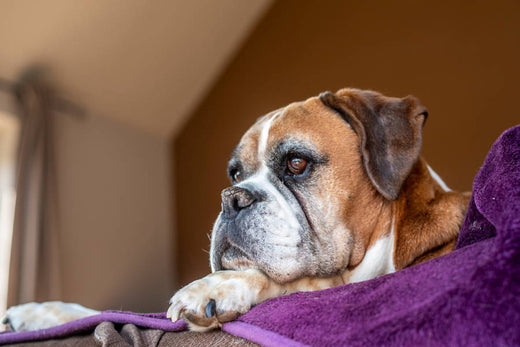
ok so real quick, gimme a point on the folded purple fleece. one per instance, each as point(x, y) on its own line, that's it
point(468, 297)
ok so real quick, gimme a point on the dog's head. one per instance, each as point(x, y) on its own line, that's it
point(307, 177)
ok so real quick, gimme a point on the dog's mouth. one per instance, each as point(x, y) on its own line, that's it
point(234, 259)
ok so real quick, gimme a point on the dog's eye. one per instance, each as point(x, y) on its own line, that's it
point(237, 176)
point(296, 166)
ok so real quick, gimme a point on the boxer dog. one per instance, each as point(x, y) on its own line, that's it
point(324, 192)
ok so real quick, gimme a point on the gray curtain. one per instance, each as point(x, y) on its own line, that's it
point(35, 265)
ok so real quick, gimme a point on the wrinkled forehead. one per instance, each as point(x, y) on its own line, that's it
point(309, 121)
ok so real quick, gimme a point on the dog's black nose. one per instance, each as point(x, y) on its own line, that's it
point(235, 199)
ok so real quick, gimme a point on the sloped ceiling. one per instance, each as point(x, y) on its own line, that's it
point(144, 63)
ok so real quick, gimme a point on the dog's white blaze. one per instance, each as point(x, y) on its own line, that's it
point(289, 229)
point(439, 180)
point(264, 135)
point(378, 260)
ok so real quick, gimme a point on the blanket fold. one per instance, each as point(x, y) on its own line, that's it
point(470, 296)
point(88, 324)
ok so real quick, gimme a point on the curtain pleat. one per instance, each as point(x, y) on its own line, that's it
point(34, 273)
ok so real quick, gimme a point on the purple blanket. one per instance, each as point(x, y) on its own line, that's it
point(468, 297)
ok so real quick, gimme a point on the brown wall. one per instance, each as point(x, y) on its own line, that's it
point(460, 58)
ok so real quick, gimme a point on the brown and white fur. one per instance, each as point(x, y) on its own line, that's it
point(366, 205)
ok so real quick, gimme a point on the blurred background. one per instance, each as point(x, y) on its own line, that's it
point(127, 124)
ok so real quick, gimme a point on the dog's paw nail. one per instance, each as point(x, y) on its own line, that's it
point(211, 309)
point(174, 312)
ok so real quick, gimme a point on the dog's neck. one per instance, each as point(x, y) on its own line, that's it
point(421, 224)
point(428, 218)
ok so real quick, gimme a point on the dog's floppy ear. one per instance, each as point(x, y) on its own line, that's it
point(390, 130)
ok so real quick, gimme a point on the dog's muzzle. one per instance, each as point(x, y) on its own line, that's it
point(260, 226)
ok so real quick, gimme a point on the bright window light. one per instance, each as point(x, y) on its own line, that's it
point(9, 129)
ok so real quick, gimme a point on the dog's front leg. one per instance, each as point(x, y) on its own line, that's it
point(222, 296)
point(36, 316)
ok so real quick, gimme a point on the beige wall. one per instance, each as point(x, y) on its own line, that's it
point(459, 57)
point(114, 195)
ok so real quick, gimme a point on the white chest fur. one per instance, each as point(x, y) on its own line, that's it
point(378, 260)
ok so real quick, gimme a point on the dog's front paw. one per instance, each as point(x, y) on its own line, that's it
point(220, 297)
point(35, 316)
